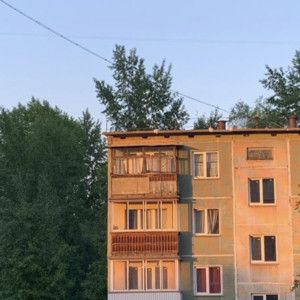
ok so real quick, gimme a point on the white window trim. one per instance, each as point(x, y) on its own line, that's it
point(206, 267)
point(204, 162)
point(262, 249)
point(261, 193)
point(205, 233)
point(144, 276)
point(143, 229)
point(264, 295)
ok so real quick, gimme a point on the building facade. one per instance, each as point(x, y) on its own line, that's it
point(201, 213)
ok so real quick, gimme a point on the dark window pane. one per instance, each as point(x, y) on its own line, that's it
point(133, 219)
point(133, 278)
point(199, 221)
point(212, 164)
point(268, 190)
point(157, 278)
point(165, 278)
point(201, 280)
point(254, 191)
point(214, 280)
point(199, 171)
point(149, 278)
point(255, 248)
point(272, 297)
point(258, 297)
point(270, 248)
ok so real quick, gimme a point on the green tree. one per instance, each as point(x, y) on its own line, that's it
point(262, 115)
point(285, 87)
point(273, 110)
point(51, 211)
point(139, 100)
point(204, 122)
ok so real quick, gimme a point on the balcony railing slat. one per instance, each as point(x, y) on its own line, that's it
point(144, 243)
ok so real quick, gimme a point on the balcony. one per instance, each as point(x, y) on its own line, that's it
point(148, 185)
point(162, 244)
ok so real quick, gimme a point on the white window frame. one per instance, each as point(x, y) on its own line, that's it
point(204, 165)
point(261, 192)
point(144, 276)
point(262, 249)
point(144, 209)
point(264, 295)
point(206, 267)
point(205, 233)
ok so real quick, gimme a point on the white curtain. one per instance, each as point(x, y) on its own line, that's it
point(135, 165)
point(213, 221)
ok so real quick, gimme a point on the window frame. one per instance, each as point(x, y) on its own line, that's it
point(204, 153)
point(143, 150)
point(264, 295)
point(144, 215)
point(144, 275)
point(262, 249)
point(205, 233)
point(206, 267)
point(261, 192)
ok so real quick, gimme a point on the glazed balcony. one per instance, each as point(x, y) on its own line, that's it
point(146, 171)
point(156, 244)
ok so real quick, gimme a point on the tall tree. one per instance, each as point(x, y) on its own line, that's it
point(273, 110)
point(51, 210)
point(285, 87)
point(139, 100)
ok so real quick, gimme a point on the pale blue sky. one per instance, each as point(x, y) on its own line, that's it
point(218, 49)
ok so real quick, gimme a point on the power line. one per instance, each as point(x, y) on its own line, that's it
point(55, 32)
point(200, 101)
point(82, 47)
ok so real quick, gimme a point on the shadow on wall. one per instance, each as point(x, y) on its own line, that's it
point(185, 189)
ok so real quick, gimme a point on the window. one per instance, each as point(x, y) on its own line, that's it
point(261, 191)
point(146, 215)
point(206, 221)
point(264, 297)
point(153, 275)
point(206, 165)
point(259, 153)
point(144, 275)
point(135, 275)
point(208, 280)
point(133, 161)
point(134, 216)
point(263, 248)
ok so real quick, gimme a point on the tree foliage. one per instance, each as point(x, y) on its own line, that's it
point(273, 110)
point(139, 100)
point(52, 205)
point(285, 85)
point(204, 122)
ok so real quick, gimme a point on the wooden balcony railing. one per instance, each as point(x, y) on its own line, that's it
point(144, 243)
point(163, 184)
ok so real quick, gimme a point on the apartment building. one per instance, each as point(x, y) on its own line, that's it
point(196, 214)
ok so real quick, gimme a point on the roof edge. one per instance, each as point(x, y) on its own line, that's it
point(156, 132)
